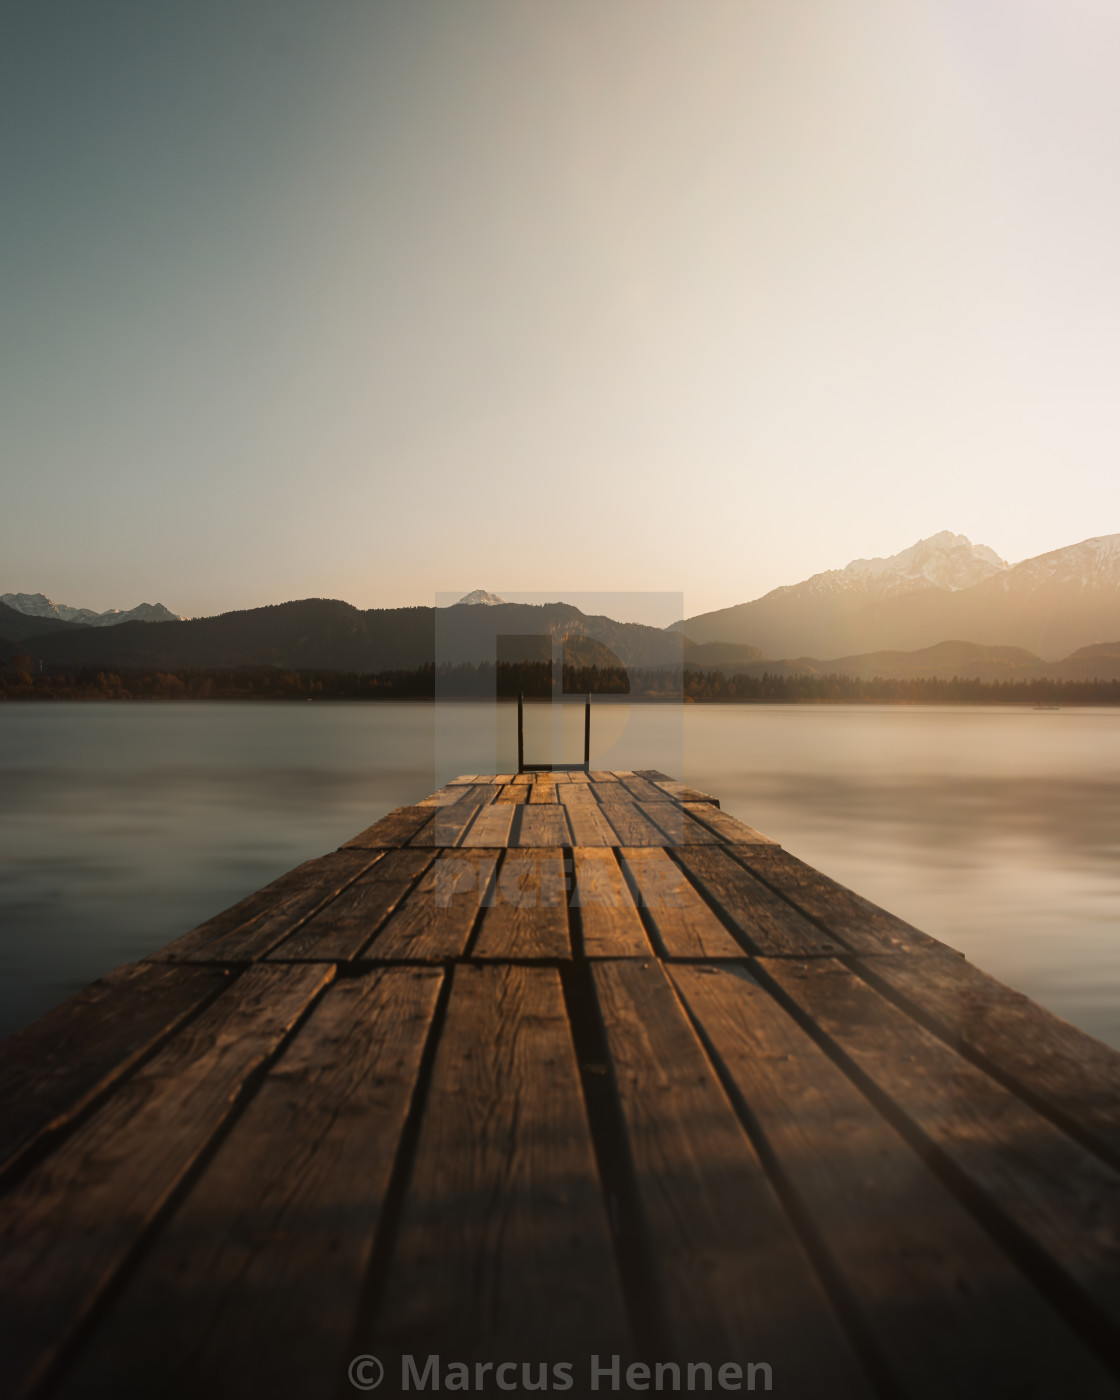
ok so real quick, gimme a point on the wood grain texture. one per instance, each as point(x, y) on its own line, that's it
point(727, 827)
point(443, 797)
point(340, 930)
point(632, 826)
point(614, 791)
point(853, 920)
point(684, 924)
point(528, 917)
point(764, 921)
point(491, 826)
point(679, 826)
point(612, 926)
point(1069, 1075)
point(515, 794)
point(576, 795)
point(543, 826)
point(681, 792)
point(253, 928)
point(253, 1287)
point(734, 1280)
point(449, 825)
point(396, 829)
point(938, 1297)
point(503, 1250)
point(52, 1069)
point(589, 826)
point(69, 1226)
point(1049, 1188)
point(436, 919)
point(642, 789)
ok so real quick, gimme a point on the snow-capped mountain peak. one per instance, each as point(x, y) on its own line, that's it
point(480, 595)
point(945, 561)
point(1091, 564)
point(39, 605)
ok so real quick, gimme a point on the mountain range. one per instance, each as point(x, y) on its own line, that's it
point(940, 589)
point(327, 634)
point(942, 607)
point(39, 606)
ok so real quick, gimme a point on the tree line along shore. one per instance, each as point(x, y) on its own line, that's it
point(21, 680)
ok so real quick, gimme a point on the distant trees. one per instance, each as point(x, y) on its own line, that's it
point(20, 681)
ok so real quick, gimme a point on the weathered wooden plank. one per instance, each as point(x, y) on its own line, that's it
point(576, 795)
point(542, 791)
point(653, 775)
point(612, 926)
point(502, 778)
point(503, 1250)
point(634, 828)
point(523, 779)
point(491, 826)
point(681, 792)
point(851, 919)
point(1064, 1072)
point(764, 921)
point(727, 826)
point(54, 1068)
point(597, 775)
point(684, 924)
point(252, 928)
point(340, 930)
point(528, 916)
point(579, 777)
point(252, 1289)
point(543, 826)
point(733, 1279)
point(483, 792)
point(449, 825)
point(514, 793)
point(611, 792)
point(937, 1296)
point(442, 797)
point(680, 827)
point(467, 778)
point(589, 826)
point(436, 918)
point(641, 789)
point(68, 1227)
point(398, 828)
point(1057, 1195)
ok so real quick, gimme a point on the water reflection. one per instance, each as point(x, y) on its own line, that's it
point(998, 831)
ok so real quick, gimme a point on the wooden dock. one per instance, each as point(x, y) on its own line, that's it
point(546, 1068)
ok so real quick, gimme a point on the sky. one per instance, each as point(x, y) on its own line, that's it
point(378, 300)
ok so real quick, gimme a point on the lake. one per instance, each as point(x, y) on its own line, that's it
point(995, 829)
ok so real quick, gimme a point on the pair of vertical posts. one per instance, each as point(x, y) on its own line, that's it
point(523, 767)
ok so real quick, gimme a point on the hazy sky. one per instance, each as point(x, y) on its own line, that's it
point(368, 300)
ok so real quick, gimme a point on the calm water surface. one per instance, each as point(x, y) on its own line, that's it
point(997, 830)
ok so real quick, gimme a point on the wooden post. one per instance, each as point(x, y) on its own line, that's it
point(587, 736)
point(520, 733)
